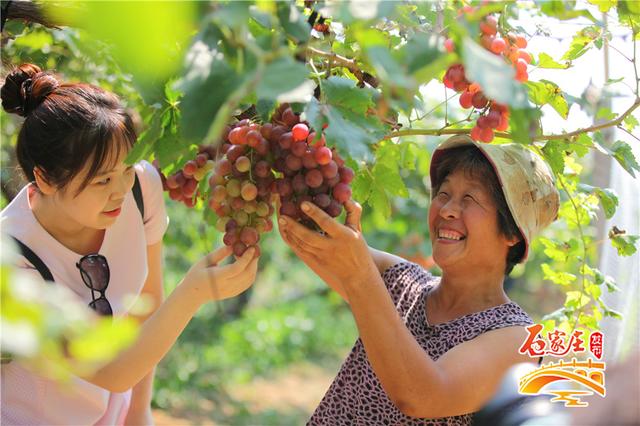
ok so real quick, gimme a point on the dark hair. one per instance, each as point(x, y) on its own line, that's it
point(66, 125)
point(474, 164)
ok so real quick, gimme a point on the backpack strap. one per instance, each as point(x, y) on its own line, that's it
point(35, 260)
point(137, 194)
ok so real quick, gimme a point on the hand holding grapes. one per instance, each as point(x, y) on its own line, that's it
point(339, 254)
point(211, 281)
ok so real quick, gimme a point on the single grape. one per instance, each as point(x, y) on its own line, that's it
point(249, 236)
point(346, 175)
point(323, 155)
point(293, 163)
point(298, 184)
point(233, 188)
point(249, 191)
point(300, 132)
point(286, 140)
point(329, 170)
point(322, 200)
point(308, 159)
point(313, 178)
point(342, 192)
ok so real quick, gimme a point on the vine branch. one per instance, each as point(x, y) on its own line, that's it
point(345, 62)
point(446, 131)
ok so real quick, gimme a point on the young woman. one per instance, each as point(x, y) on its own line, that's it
point(433, 350)
point(79, 216)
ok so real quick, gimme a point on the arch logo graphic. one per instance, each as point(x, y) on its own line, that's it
point(582, 376)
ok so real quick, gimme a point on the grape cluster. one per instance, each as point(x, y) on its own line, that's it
point(492, 115)
point(308, 169)
point(254, 162)
point(183, 185)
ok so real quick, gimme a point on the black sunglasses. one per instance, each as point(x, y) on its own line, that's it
point(94, 271)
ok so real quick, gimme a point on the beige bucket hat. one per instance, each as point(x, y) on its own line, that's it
point(526, 180)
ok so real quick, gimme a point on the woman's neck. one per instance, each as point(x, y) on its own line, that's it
point(463, 293)
point(71, 234)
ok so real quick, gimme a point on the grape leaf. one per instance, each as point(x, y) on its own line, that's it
point(280, 76)
point(623, 153)
point(546, 61)
point(547, 92)
point(207, 84)
point(630, 122)
point(292, 21)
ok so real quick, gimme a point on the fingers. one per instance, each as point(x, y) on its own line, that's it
point(292, 228)
point(299, 244)
point(241, 263)
point(324, 221)
point(354, 213)
point(218, 256)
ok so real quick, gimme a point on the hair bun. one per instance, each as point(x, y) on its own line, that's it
point(25, 88)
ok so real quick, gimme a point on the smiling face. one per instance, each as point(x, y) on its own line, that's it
point(463, 222)
point(97, 204)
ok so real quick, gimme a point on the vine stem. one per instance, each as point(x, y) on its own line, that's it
point(568, 135)
point(345, 62)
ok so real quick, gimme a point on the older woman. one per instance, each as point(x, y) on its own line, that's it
point(432, 350)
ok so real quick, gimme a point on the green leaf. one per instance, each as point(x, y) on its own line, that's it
point(581, 43)
point(389, 179)
point(603, 5)
point(547, 92)
point(561, 278)
point(293, 21)
point(265, 109)
point(521, 123)
point(387, 67)
point(605, 114)
point(546, 61)
point(408, 155)
point(496, 78)
point(623, 153)
point(280, 76)
point(345, 111)
point(342, 92)
point(233, 13)
point(625, 244)
point(608, 199)
point(361, 185)
point(379, 201)
point(207, 85)
point(564, 10)
point(630, 122)
point(553, 152)
point(576, 300)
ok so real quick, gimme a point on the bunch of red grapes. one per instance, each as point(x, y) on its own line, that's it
point(493, 116)
point(183, 185)
point(281, 157)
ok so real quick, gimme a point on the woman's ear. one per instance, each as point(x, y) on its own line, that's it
point(41, 182)
point(513, 241)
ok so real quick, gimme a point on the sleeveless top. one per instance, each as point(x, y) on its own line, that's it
point(356, 396)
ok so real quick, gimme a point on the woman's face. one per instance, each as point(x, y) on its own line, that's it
point(463, 223)
point(99, 204)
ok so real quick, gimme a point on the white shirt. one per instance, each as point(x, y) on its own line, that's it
point(28, 398)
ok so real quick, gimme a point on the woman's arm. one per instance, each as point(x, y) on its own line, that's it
point(140, 409)
point(205, 281)
point(458, 383)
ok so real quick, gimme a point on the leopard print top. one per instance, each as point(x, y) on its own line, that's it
point(356, 397)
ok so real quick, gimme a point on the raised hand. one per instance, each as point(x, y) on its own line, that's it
point(216, 282)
